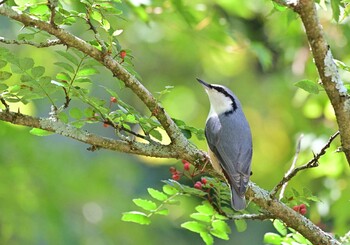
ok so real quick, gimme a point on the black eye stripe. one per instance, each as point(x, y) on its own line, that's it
point(224, 92)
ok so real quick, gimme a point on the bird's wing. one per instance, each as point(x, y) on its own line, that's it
point(235, 158)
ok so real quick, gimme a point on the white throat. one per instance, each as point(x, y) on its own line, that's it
point(219, 103)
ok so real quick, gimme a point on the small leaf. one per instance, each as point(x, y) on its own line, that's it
point(170, 190)
point(335, 4)
point(162, 212)
point(26, 63)
point(280, 227)
point(145, 204)
point(201, 217)
point(75, 113)
point(194, 226)
point(65, 66)
point(241, 225)
point(25, 36)
point(62, 116)
point(156, 134)
point(130, 118)
point(206, 208)
point(40, 132)
point(63, 76)
point(4, 75)
point(136, 217)
point(308, 86)
point(87, 72)
point(272, 238)
point(300, 239)
point(207, 238)
point(220, 229)
point(3, 63)
point(158, 195)
point(69, 57)
point(38, 71)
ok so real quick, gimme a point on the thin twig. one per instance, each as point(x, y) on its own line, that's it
point(5, 104)
point(262, 216)
point(93, 28)
point(46, 44)
point(297, 151)
point(310, 164)
point(52, 6)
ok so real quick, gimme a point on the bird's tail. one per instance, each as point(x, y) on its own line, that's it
point(237, 202)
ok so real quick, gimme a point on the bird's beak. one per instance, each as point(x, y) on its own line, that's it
point(206, 85)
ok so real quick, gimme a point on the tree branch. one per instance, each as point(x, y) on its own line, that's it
point(327, 69)
point(49, 43)
point(310, 164)
point(52, 125)
point(291, 218)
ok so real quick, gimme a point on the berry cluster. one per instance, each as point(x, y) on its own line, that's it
point(189, 172)
point(300, 209)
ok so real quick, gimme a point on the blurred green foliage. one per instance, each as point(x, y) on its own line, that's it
point(53, 191)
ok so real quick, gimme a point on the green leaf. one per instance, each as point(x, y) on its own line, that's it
point(38, 71)
point(272, 238)
point(65, 66)
point(300, 239)
point(63, 76)
point(206, 208)
point(69, 57)
point(26, 63)
point(39, 10)
point(26, 36)
point(220, 229)
point(158, 195)
point(162, 212)
point(40, 132)
point(145, 204)
point(156, 134)
point(3, 63)
point(335, 4)
point(62, 116)
point(280, 227)
point(87, 72)
point(194, 226)
point(76, 113)
point(136, 217)
point(241, 225)
point(201, 217)
point(130, 118)
point(207, 238)
point(308, 86)
point(4, 75)
point(170, 190)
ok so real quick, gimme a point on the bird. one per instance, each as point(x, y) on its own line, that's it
point(229, 141)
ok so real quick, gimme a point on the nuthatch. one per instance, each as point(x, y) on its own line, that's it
point(229, 140)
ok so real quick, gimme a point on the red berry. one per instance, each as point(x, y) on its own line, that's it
point(105, 125)
point(302, 206)
point(176, 176)
point(172, 170)
point(187, 166)
point(122, 54)
point(204, 181)
point(113, 99)
point(184, 161)
point(296, 208)
point(198, 185)
point(303, 211)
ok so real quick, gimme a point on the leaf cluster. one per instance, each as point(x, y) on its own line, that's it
point(283, 236)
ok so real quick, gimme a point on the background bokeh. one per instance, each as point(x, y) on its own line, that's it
point(54, 191)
